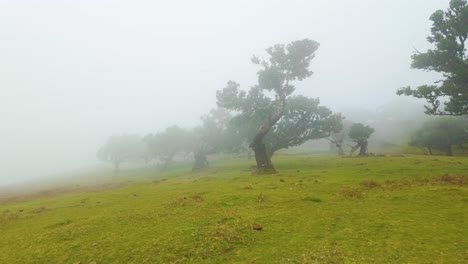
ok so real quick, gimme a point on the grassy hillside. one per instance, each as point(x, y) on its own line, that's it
point(316, 210)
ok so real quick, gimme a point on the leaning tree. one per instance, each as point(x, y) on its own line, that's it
point(448, 34)
point(286, 64)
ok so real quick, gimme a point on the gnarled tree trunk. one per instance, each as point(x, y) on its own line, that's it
point(338, 144)
point(353, 149)
point(264, 165)
point(200, 161)
point(363, 149)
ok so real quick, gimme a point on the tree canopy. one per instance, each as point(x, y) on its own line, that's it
point(360, 134)
point(303, 119)
point(448, 34)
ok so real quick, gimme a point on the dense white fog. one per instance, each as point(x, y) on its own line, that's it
point(72, 73)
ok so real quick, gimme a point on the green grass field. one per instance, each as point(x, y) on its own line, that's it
point(322, 209)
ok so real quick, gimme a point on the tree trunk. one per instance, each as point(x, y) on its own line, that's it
point(339, 146)
point(449, 150)
point(200, 161)
point(363, 148)
point(430, 150)
point(353, 149)
point(264, 165)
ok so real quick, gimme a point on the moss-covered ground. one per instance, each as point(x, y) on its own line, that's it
point(408, 209)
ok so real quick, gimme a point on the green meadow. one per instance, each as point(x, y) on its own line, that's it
point(317, 209)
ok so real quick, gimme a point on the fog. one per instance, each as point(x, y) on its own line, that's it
point(72, 73)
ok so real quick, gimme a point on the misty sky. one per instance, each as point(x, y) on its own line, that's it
point(74, 72)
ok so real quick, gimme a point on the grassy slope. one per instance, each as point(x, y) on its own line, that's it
point(321, 212)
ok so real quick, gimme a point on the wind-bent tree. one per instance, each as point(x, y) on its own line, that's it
point(211, 137)
point(441, 134)
point(122, 148)
point(449, 33)
point(360, 134)
point(286, 63)
point(165, 145)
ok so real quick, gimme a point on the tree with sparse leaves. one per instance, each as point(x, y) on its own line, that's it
point(448, 34)
point(286, 64)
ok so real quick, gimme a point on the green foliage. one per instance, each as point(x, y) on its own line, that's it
point(286, 63)
point(303, 119)
point(448, 34)
point(360, 133)
point(441, 134)
point(396, 209)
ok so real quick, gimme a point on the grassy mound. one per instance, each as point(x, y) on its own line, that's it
point(316, 210)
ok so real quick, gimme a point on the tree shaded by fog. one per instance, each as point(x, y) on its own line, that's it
point(122, 148)
point(449, 33)
point(339, 138)
point(286, 63)
point(360, 134)
point(441, 134)
point(166, 144)
point(211, 137)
